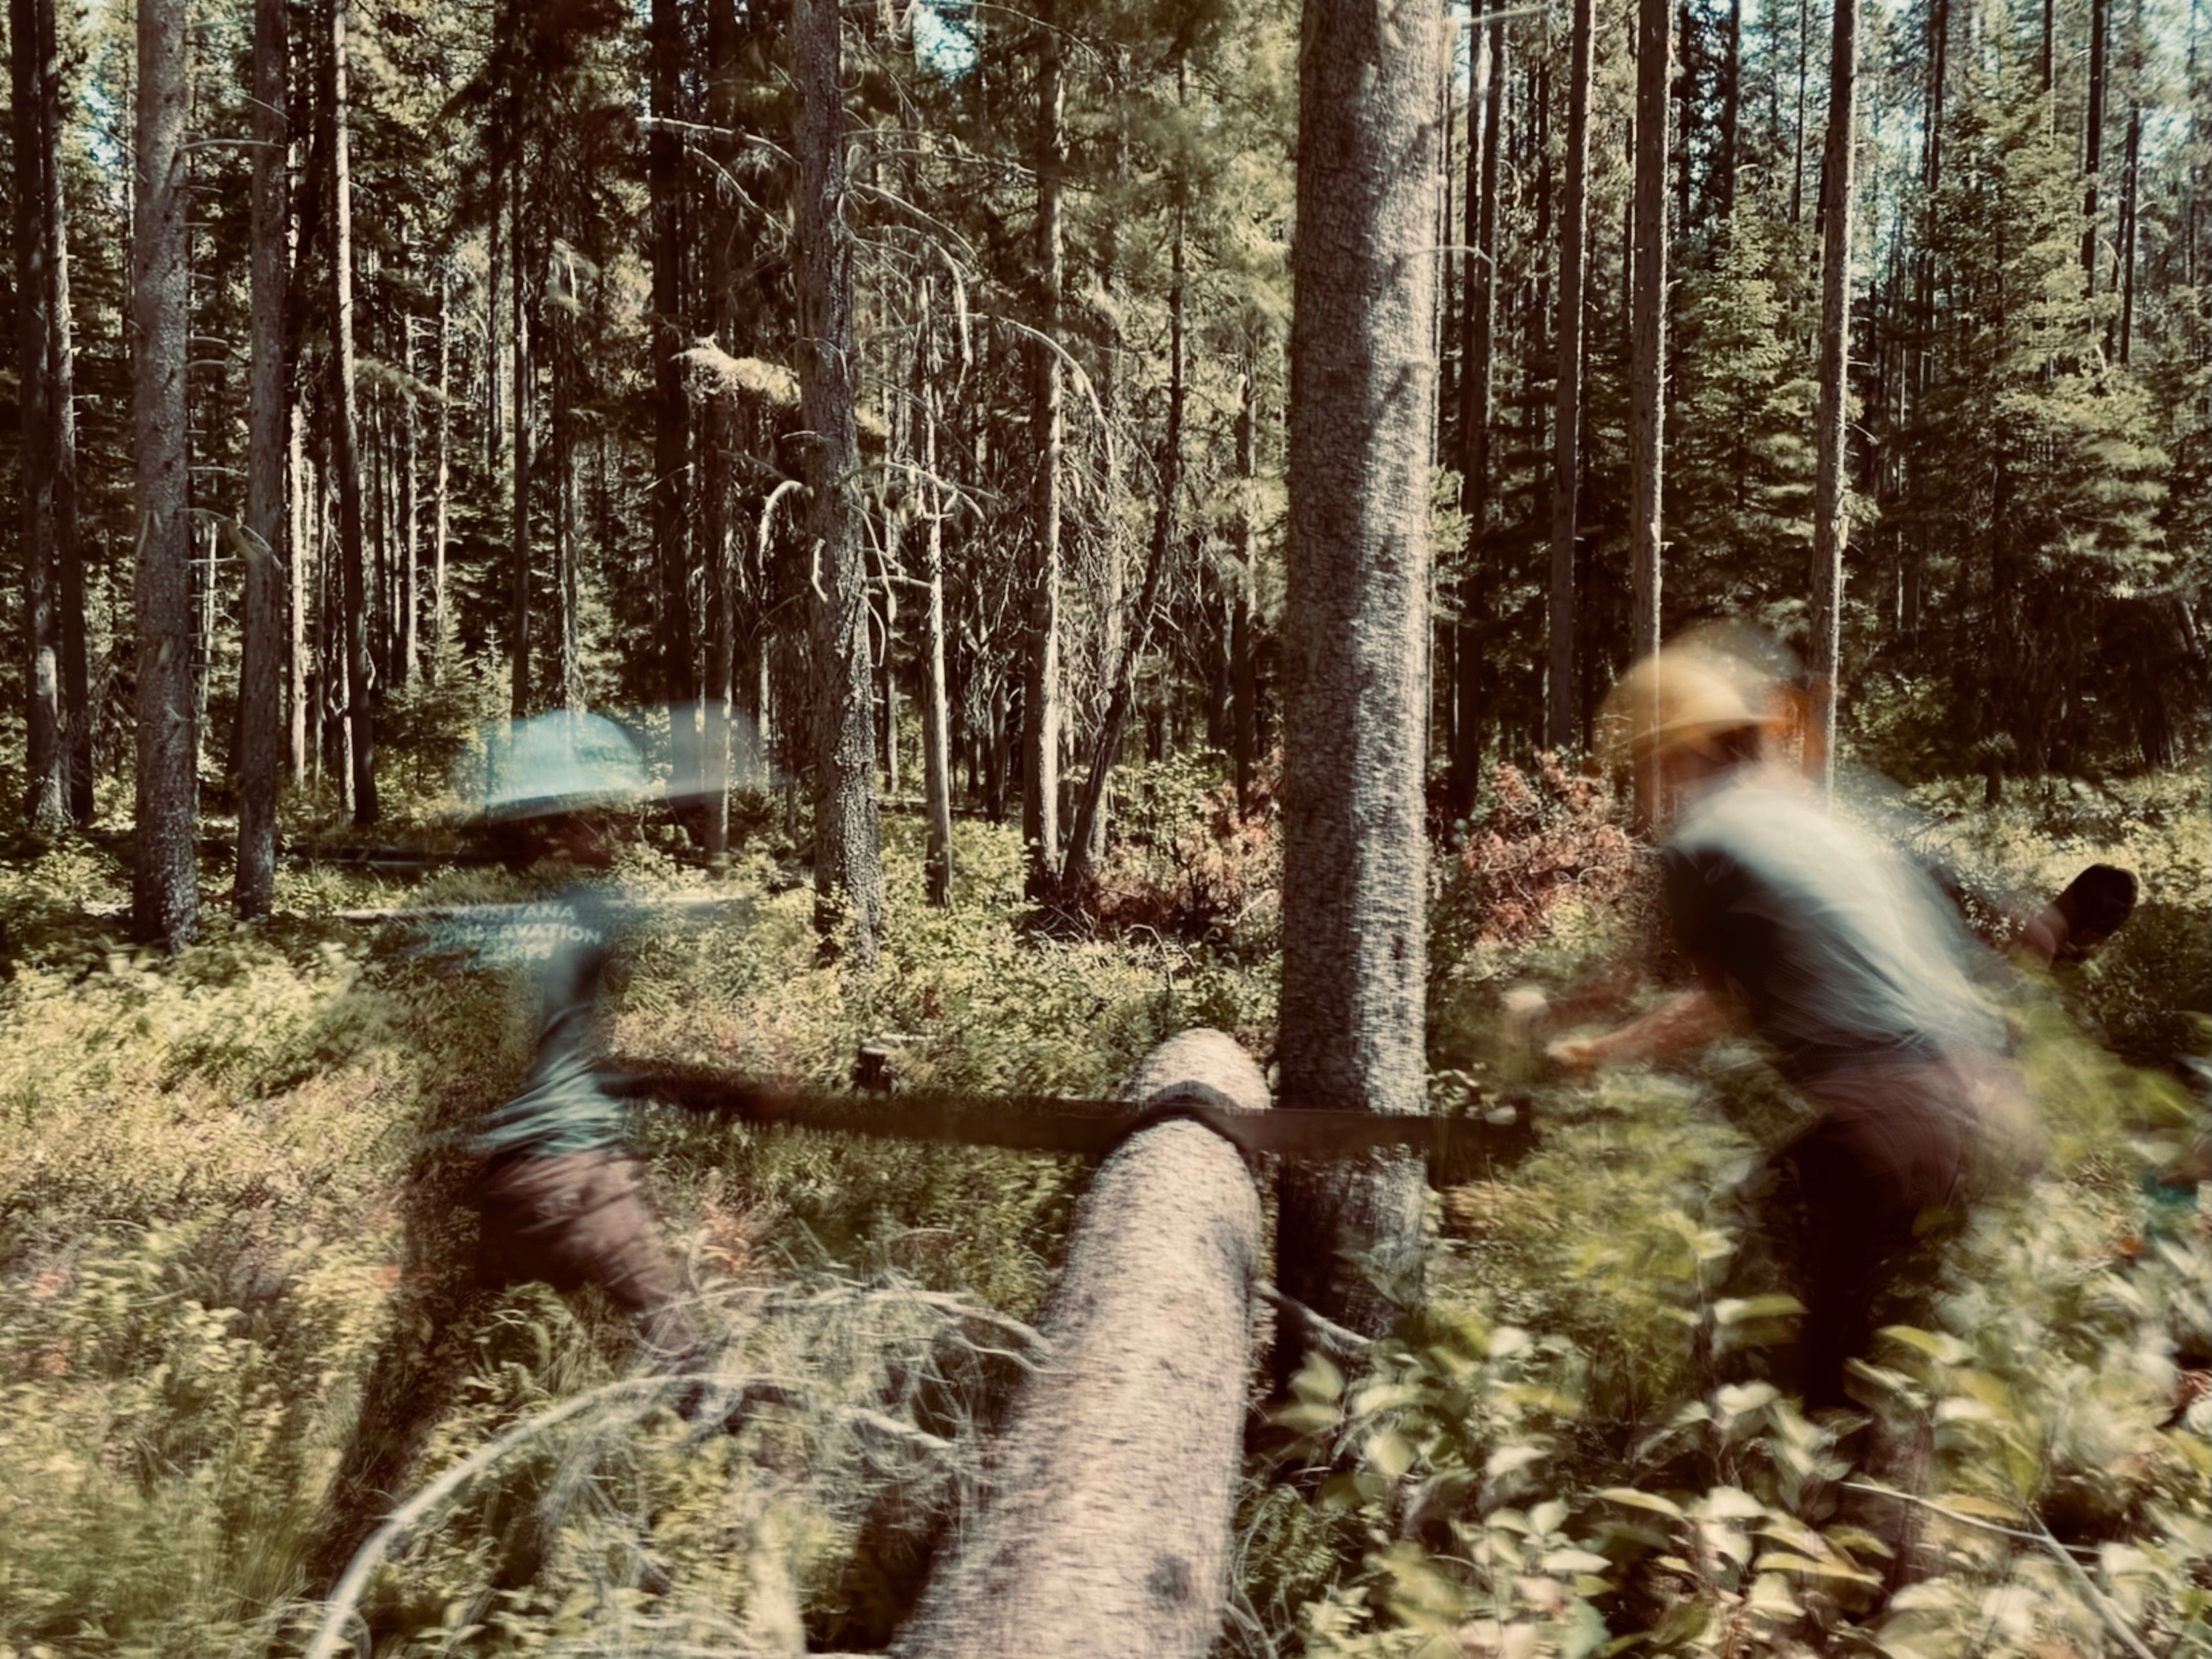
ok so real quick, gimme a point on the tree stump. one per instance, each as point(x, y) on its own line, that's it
point(1106, 1526)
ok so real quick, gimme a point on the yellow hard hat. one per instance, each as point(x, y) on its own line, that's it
point(1682, 699)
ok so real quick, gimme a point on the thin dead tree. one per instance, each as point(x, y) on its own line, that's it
point(345, 461)
point(1831, 526)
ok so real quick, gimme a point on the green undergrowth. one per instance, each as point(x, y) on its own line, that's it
point(227, 1227)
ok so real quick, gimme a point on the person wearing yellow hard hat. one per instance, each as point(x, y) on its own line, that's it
point(1842, 958)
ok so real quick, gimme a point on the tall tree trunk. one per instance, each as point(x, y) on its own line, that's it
point(847, 862)
point(2127, 214)
point(345, 461)
point(260, 685)
point(1245, 685)
point(1685, 92)
point(164, 891)
point(717, 438)
point(560, 329)
point(72, 621)
point(1830, 528)
point(1114, 597)
point(525, 380)
point(1731, 110)
point(2092, 136)
point(936, 758)
point(1566, 409)
point(1648, 372)
point(439, 524)
point(45, 806)
point(1478, 352)
point(407, 647)
point(1797, 151)
point(377, 499)
point(298, 663)
point(1041, 690)
point(494, 358)
point(671, 416)
point(1354, 975)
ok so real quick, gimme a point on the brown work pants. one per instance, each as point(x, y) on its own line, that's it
point(577, 1218)
point(1905, 1143)
point(1865, 1201)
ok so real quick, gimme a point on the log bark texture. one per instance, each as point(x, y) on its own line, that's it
point(1107, 1526)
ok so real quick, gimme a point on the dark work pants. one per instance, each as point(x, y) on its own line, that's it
point(578, 1218)
point(1876, 1185)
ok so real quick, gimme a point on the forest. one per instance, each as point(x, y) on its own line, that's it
point(1097, 553)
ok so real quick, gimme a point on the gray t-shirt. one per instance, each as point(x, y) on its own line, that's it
point(564, 944)
point(1837, 947)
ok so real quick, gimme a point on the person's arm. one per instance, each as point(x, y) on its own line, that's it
point(1685, 1022)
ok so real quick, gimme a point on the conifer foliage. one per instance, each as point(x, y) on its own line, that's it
point(567, 259)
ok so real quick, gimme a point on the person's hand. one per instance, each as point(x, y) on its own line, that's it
point(1574, 1053)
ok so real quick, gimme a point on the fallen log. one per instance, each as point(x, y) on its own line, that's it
point(1108, 1506)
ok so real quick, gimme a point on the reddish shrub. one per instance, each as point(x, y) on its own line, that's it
point(1195, 880)
point(1538, 841)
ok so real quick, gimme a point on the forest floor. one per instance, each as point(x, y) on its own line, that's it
point(229, 1251)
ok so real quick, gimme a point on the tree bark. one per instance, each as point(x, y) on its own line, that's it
point(440, 527)
point(2092, 136)
point(560, 331)
point(1355, 632)
point(716, 440)
point(671, 416)
point(1112, 1495)
point(936, 756)
point(71, 623)
point(345, 461)
point(1648, 372)
point(1041, 691)
point(847, 862)
point(1566, 408)
point(1478, 351)
point(298, 663)
point(494, 358)
point(1245, 685)
point(45, 806)
point(1797, 151)
point(2129, 207)
point(1731, 110)
point(269, 422)
point(1831, 526)
point(165, 893)
point(518, 598)
point(406, 648)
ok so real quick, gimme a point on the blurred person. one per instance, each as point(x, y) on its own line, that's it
point(560, 1198)
point(1846, 962)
